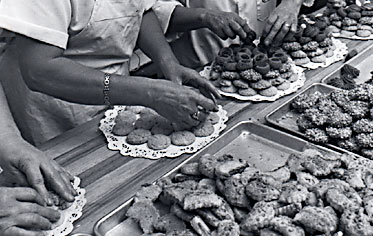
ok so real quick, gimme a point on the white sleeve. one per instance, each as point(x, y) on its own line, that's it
point(164, 9)
point(44, 20)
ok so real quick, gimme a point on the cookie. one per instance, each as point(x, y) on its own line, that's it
point(146, 122)
point(204, 129)
point(298, 54)
point(319, 59)
point(225, 83)
point(159, 142)
point(138, 136)
point(367, 13)
point(162, 126)
point(315, 53)
point(261, 84)
point(365, 27)
point(292, 46)
point(313, 45)
point(333, 29)
point(241, 84)
point(213, 118)
point(230, 75)
point(123, 128)
point(304, 40)
point(302, 61)
point(182, 138)
point(363, 33)
point(350, 28)
point(229, 89)
point(283, 86)
point(269, 92)
point(348, 21)
point(125, 117)
point(247, 92)
point(251, 75)
point(277, 81)
point(329, 53)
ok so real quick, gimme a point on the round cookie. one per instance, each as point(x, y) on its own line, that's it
point(363, 33)
point(315, 53)
point(333, 29)
point(277, 81)
point(182, 138)
point(247, 92)
point(329, 53)
point(138, 136)
point(261, 84)
point(225, 83)
point(123, 128)
point(229, 89)
point(158, 142)
point(269, 92)
point(126, 117)
point(204, 129)
point(283, 86)
point(213, 118)
point(319, 59)
point(298, 54)
point(241, 84)
point(162, 126)
point(146, 121)
point(293, 78)
point(302, 61)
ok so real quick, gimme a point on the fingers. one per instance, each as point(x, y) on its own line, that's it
point(36, 180)
point(293, 28)
point(48, 213)
point(28, 195)
point(269, 24)
point(15, 231)
point(198, 82)
point(282, 33)
point(58, 183)
point(66, 176)
point(32, 221)
point(237, 29)
point(206, 103)
point(274, 30)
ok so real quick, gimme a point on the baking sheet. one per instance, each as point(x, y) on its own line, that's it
point(286, 118)
point(262, 146)
point(363, 61)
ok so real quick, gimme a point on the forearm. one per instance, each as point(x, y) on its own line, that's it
point(185, 19)
point(7, 125)
point(296, 3)
point(153, 43)
point(65, 79)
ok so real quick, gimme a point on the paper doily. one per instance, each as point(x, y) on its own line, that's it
point(355, 37)
point(71, 214)
point(339, 54)
point(259, 98)
point(118, 143)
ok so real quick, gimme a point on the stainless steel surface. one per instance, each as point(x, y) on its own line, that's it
point(363, 61)
point(285, 118)
point(263, 146)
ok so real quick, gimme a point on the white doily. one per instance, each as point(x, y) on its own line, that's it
point(119, 142)
point(355, 37)
point(259, 98)
point(71, 214)
point(340, 52)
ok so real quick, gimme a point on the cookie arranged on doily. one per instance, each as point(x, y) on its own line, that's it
point(70, 212)
point(348, 20)
point(141, 132)
point(312, 46)
point(249, 72)
point(222, 195)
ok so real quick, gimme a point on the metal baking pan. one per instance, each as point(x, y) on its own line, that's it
point(363, 62)
point(263, 146)
point(285, 118)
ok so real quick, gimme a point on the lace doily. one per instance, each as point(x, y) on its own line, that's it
point(118, 143)
point(71, 214)
point(339, 35)
point(339, 54)
point(258, 98)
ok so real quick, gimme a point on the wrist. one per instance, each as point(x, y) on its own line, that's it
point(202, 17)
point(11, 143)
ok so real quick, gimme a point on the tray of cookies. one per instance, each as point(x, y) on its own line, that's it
point(252, 73)
point(349, 20)
point(253, 180)
point(339, 119)
point(138, 131)
point(357, 71)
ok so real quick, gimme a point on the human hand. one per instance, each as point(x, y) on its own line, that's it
point(179, 104)
point(183, 75)
point(283, 20)
point(227, 24)
point(23, 214)
point(25, 165)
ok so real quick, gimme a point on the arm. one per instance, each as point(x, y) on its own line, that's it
point(45, 70)
point(26, 165)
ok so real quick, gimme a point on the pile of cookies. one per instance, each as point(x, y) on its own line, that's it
point(311, 43)
point(143, 125)
point(350, 20)
point(249, 70)
point(343, 118)
point(314, 193)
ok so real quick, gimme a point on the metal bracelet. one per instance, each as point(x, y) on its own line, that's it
point(107, 89)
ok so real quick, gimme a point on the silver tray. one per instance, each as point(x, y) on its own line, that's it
point(285, 118)
point(363, 61)
point(263, 146)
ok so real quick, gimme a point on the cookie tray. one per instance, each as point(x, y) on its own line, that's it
point(263, 146)
point(285, 118)
point(363, 61)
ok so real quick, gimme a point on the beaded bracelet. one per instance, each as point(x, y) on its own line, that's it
point(107, 89)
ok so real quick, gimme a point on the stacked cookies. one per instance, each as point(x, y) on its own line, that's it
point(144, 126)
point(343, 118)
point(347, 77)
point(351, 20)
point(248, 70)
point(313, 193)
point(311, 43)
